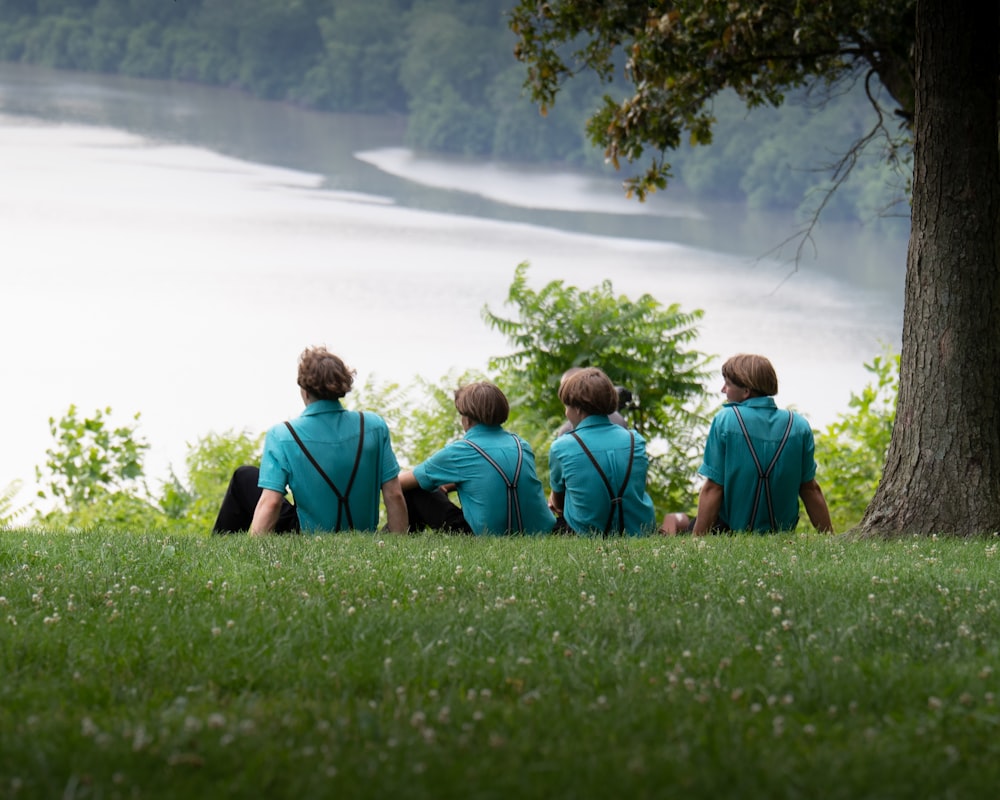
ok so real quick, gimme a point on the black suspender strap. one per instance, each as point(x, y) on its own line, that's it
point(617, 500)
point(513, 502)
point(763, 475)
point(343, 502)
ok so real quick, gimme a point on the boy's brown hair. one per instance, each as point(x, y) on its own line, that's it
point(324, 375)
point(751, 372)
point(483, 402)
point(589, 390)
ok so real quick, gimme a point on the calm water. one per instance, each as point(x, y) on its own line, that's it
point(171, 249)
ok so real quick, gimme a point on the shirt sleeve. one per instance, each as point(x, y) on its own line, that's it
point(390, 466)
point(274, 472)
point(556, 480)
point(808, 453)
point(713, 465)
point(438, 470)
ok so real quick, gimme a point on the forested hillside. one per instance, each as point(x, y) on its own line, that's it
point(448, 65)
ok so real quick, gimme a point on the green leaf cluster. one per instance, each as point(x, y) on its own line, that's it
point(851, 451)
point(643, 346)
point(91, 458)
point(9, 512)
point(673, 58)
point(94, 473)
point(94, 477)
point(211, 461)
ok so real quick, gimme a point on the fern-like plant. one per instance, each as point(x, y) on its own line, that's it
point(9, 512)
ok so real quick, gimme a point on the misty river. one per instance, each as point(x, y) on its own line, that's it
point(171, 249)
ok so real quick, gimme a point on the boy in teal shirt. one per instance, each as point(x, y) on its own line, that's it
point(758, 458)
point(597, 471)
point(492, 470)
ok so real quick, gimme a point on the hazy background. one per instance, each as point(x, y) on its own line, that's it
point(147, 271)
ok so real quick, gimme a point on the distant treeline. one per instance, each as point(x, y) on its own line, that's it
point(447, 65)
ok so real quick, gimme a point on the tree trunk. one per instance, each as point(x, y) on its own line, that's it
point(942, 472)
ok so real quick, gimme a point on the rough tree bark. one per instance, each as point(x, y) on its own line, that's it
point(942, 472)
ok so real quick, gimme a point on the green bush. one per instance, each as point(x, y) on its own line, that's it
point(210, 463)
point(851, 451)
point(641, 345)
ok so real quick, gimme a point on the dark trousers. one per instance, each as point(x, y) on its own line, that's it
point(432, 509)
point(236, 512)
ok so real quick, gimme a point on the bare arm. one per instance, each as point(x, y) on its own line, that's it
point(556, 501)
point(406, 481)
point(265, 515)
point(816, 508)
point(709, 504)
point(395, 506)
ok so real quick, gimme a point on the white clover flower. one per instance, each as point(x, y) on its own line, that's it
point(216, 720)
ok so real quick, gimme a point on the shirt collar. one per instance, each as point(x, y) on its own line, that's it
point(594, 420)
point(322, 407)
point(755, 402)
point(481, 429)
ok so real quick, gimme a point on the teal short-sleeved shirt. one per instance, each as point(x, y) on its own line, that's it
point(481, 490)
point(330, 432)
point(729, 463)
point(586, 502)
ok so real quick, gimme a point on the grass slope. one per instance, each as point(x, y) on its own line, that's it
point(429, 667)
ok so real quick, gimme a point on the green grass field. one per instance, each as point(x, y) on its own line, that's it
point(360, 666)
